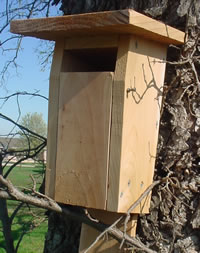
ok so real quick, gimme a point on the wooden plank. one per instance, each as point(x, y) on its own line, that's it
point(92, 42)
point(107, 244)
point(117, 121)
point(140, 118)
point(83, 138)
point(53, 118)
point(108, 22)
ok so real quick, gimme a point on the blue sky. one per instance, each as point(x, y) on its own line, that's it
point(28, 77)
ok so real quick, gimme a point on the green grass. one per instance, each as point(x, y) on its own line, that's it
point(20, 176)
point(31, 220)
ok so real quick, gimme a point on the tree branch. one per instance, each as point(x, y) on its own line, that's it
point(13, 193)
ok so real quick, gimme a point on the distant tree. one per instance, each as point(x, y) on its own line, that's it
point(8, 163)
point(35, 123)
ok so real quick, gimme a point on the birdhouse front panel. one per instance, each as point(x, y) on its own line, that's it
point(83, 138)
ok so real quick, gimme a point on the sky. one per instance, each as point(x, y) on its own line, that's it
point(29, 78)
point(26, 77)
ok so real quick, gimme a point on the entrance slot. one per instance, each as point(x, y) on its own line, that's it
point(89, 60)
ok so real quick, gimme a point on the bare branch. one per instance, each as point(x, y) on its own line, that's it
point(37, 151)
point(12, 192)
point(23, 93)
point(22, 127)
point(124, 237)
point(16, 211)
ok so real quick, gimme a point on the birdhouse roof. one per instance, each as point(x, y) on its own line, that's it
point(98, 23)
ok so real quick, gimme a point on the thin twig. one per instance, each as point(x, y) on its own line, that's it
point(13, 193)
point(110, 230)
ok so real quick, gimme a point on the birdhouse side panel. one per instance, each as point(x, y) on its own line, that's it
point(141, 116)
point(53, 118)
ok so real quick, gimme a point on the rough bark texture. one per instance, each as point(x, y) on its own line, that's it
point(169, 11)
point(173, 224)
point(63, 235)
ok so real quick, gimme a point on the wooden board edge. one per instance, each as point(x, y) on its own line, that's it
point(98, 22)
point(155, 29)
point(52, 116)
point(116, 124)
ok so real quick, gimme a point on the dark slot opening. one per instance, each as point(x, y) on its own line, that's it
point(89, 60)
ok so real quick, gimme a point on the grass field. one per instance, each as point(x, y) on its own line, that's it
point(29, 220)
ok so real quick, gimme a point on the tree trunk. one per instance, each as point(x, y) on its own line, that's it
point(6, 225)
point(5, 220)
point(173, 224)
point(168, 11)
point(63, 235)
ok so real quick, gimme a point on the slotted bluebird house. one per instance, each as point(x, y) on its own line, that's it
point(104, 105)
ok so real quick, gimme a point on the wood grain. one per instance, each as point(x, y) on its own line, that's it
point(136, 127)
point(108, 22)
point(53, 118)
point(92, 42)
point(106, 244)
point(118, 91)
point(83, 138)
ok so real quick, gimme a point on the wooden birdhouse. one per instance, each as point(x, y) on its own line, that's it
point(105, 99)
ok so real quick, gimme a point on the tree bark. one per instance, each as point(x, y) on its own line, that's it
point(6, 225)
point(170, 12)
point(63, 235)
point(5, 220)
point(173, 224)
